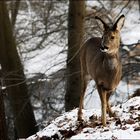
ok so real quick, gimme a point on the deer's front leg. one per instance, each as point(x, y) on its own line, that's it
point(103, 94)
point(104, 107)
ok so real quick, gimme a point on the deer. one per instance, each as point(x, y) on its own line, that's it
point(100, 60)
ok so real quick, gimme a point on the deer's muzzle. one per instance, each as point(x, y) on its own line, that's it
point(104, 48)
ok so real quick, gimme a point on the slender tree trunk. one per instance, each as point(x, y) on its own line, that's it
point(3, 129)
point(75, 37)
point(14, 78)
point(14, 11)
point(139, 8)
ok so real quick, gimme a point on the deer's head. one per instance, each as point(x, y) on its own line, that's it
point(111, 36)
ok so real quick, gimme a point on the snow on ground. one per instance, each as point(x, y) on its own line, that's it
point(125, 126)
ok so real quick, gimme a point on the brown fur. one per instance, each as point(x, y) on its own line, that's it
point(104, 67)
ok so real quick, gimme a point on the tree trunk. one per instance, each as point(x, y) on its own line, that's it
point(14, 11)
point(3, 129)
point(14, 77)
point(75, 37)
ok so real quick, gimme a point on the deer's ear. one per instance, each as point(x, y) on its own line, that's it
point(119, 23)
point(104, 24)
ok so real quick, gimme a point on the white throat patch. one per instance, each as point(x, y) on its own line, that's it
point(104, 50)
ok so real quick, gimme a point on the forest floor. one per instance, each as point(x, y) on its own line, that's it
point(125, 126)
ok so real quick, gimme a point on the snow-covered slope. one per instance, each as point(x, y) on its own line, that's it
point(125, 126)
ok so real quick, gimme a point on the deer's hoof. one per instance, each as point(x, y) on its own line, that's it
point(104, 123)
point(81, 123)
point(112, 114)
point(79, 119)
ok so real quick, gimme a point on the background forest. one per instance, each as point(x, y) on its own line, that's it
point(39, 59)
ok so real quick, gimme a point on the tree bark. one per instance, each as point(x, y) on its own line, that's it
point(3, 128)
point(75, 37)
point(14, 11)
point(14, 77)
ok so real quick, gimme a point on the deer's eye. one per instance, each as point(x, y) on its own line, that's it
point(112, 37)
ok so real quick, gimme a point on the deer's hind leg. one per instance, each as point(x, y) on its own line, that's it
point(81, 105)
point(83, 88)
point(83, 84)
point(109, 110)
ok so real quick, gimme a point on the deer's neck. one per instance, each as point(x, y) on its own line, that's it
point(111, 61)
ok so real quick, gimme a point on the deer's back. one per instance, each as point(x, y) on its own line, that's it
point(104, 69)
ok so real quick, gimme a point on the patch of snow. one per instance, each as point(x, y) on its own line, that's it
point(125, 126)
